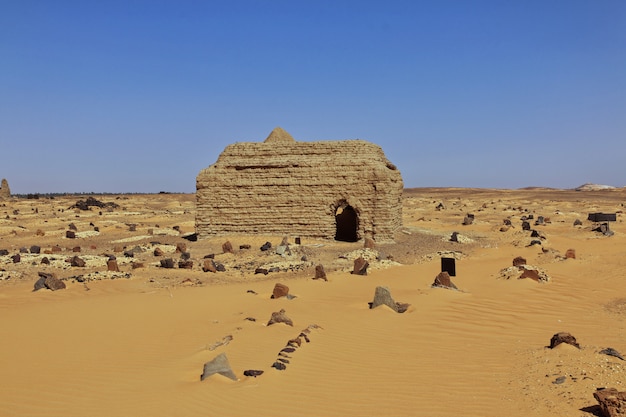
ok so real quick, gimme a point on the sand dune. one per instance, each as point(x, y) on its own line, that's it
point(125, 347)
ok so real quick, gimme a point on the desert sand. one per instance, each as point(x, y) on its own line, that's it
point(134, 342)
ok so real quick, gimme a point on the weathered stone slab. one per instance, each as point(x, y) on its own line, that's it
point(219, 365)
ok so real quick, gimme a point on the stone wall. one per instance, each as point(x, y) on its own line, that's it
point(284, 187)
point(5, 191)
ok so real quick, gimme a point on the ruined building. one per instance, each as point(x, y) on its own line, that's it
point(343, 190)
point(5, 191)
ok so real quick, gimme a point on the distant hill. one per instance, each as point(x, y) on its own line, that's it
point(594, 187)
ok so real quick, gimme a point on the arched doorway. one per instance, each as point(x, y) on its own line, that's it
point(347, 221)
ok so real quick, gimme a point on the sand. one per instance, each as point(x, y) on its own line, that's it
point(137, 346)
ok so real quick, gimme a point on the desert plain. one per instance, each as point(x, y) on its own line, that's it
point(134, 342)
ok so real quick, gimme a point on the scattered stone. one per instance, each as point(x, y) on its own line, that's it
point(360, 266)
point(280, 290)
point(578, 222)
point(454, 237)
point(519, 261)
point(220, 267)
point(72, 226)
point(563, 337)
point(181, 247)
point(469, 219)
point(158, 252)
point(76, 249)
point(16, 258)
point(209, 266)
point(559, 380)
point(185, 256)
point(570, 254)
point(535, 242)
point(442, 280)
point(368, 243)
point(612, 352)
point(112, 265)
point(132, 227)
point(279, 365)
point(136, 265)
point(4, 252)
point(227, 247)
point(252, 372)
point(525, 225)
point(77, 261)
point(92, 202)
point(612, 402)
point(266, 246)
point(70, 234)
point(167, 263)
point(185, 264)
point(382, 296)
point(219, 365)
point(280, 317)
point(45, 260)
point(35, 249)
point(245, 246)
point(320, 273)
point(48, 280)
point(263, 271)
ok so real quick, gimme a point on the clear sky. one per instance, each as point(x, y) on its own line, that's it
point(139, 96)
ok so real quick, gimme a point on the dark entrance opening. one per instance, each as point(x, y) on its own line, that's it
point(347, 224)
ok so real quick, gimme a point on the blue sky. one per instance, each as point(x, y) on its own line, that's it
point(139, 96)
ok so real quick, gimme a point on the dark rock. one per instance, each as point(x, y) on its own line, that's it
point(507, 222)
point(112, 265)
point(158, 252)
point(70, 234)
point(560, 380)
point(23, 250)
point(209, 256)
point(167, 263)
point(45, 260)
point(578, 222)
point(16, 258)
point(193, 237)
point(279, 365)
point(4, 252)
point(280, 290)
point(612, 352)
point(220, 267)
point(35, 249)
point(570, 254)
point(535, 242)
point(368, 243)
point(360, 266)
point(92, 202)
point(227, 247)
point(563, 337)
point(442, 280)
point(53, 284)
point(76, 261)
point(525, 225)
point(244, 246)
point(40, 283)
point(263, 271)
point(519, 261)
point(530, 273)
point(320, 273)
point(266, 246)
point(185, 256)
point(129, 254)
point(136, 265)
point(612, 402)
point(72, 226)
point(534, 233)
point(298, 241)
point(132, 227)
point(469, 219)
point(209, 266)
point(76, 249)
point(252, 372)
point(454, 237)
point(185, 264)
point(280, 317)
point(219, 365)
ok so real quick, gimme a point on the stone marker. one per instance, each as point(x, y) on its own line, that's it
point(612, 402)
point(48, 280)
point(181, 247)
point(320, 273)
point(469, 219)
point(563, 337)
point(35, 249)
point(70, 234)
point(519, 261)
point(167, 263)
point(280, 290)
point(382, 296)
point(185, 264)
point(158, 252)
point(443, 281)
point(112, 265)
point(368, 243)
point(360, 266)
point(570, 254)
point(5, 191)
point(209, 266)
point(77, 261)
point(280, 317)
point(227, 247)
point(219, 365)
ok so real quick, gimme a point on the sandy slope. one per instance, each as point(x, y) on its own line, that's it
point(127, 347)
